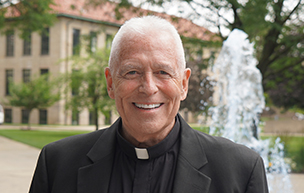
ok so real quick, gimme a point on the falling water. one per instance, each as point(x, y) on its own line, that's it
point(240, 101)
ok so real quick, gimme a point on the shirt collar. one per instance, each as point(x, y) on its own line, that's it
point(151, 152)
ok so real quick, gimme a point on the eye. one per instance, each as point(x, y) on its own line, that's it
point(131, 72)
point(163, 72)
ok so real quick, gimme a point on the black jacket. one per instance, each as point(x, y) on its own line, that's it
point(206, 164)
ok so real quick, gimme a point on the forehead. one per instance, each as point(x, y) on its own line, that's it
point(162, 45)
point(149, 40)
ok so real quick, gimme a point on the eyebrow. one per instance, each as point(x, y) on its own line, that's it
point(168, 68)
point(164, 66)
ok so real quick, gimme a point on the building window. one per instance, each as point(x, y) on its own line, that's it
point(42, 116)
point(27, 45)
point(109, 39)
point(10, 43)
point(76, 82)
point(93, 42)
point(44, 71)
point(26, 75)
point(8, 116)
point(45, 41)
point(75, 117)
point(8, 78)
point(25, 116)
point(76, 41)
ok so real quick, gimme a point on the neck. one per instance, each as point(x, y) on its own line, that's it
point(145, 140)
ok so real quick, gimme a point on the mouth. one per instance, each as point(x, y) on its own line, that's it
point(148, 106)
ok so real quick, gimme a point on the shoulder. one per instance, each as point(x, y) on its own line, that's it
point(224, 146)
point(77, 140)
point(77, 145)
point(213, 145)
point(225, 156)
point(87, 139)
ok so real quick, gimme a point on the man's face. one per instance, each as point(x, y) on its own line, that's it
point(148, 85)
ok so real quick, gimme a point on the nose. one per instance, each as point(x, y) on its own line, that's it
point(148, 85)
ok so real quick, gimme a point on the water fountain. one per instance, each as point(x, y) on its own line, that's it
point(239, 103)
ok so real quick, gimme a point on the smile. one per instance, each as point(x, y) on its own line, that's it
point(147, 106)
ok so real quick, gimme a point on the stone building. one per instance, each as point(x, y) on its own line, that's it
point(48, 52)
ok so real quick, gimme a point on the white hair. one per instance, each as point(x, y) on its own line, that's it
point(144, 26)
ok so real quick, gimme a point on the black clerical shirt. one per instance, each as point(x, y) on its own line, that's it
point(145, 170)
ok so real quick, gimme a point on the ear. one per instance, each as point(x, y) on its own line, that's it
point(185, 83)
point(109, 83)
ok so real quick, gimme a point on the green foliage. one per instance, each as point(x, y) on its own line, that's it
point(295, 150)
point(200, 89)
point(198, 43)
point(29, 16)
point(37, 93)
point(38, 138)
point(254, 12)
point(88, 84)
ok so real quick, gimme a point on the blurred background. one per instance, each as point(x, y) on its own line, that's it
point(53, 54)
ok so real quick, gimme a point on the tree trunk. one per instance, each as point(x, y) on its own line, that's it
point(28, 121)
point(96, 118)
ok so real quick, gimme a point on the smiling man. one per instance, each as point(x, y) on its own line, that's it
point(147, 78)
point(150, 148)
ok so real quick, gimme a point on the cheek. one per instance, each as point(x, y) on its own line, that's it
point(173, 90)
point(125, 88)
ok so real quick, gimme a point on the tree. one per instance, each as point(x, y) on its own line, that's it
point(37, 93)
point(276, 28)
point(26, 15)
point(200, 89)
point(88, 85)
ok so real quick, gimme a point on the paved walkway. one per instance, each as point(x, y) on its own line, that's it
point(297, 181)
point(55, 127)
point(17, 164)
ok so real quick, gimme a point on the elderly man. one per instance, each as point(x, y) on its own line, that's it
point(150, 148)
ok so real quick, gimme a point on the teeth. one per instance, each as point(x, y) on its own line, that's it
point(150, 106)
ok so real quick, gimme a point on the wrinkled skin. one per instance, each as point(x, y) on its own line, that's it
point(147, 85)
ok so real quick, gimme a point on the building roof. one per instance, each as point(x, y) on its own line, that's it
point(105, 13)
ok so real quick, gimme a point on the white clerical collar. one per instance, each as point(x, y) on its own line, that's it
point(142, 153)
point(151, 152)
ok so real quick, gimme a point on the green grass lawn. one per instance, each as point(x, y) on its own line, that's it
point(37, 138)
point(201, 128)
point(294, 145)
point(294, 149)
